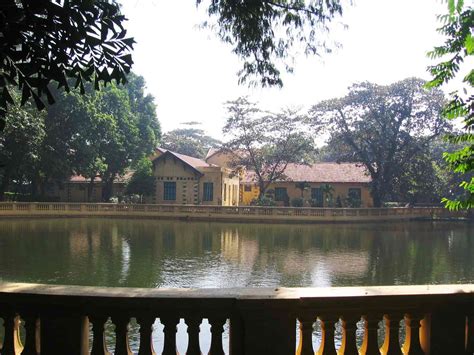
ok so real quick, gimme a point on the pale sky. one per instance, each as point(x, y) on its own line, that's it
point(192, 74)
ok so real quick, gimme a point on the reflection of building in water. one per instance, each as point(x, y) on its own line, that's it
point(89, 240)
point(241, 251)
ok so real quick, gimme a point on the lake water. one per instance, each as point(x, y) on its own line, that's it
point(151, 253)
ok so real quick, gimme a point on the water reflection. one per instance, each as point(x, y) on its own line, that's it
point(145, 253)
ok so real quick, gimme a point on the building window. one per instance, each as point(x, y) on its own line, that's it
point(225, 192)
point(169, 192)
point(208, 191)
point(280, 194)
point(355, 197)
point(317, 197)
point(248, 188)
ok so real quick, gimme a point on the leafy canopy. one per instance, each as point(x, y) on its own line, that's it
point(189, 140)
point(263, 32)
point(45, 41)
point(457, 49)
point(382, 127)
point(265, 143)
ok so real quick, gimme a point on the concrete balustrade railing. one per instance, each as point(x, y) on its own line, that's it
point(238, 213)
point(439, 319)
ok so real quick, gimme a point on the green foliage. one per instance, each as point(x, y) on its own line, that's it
point(45, 41)
point(382, 127)
point(98, 134)
point(142, 182)
point(328, 194)
point(457, 49)
point(189, 141)
point(20, 142)
point(353, 201)
point(266, 143)
point(263, 32)
point(297, 202)
point(263, 201)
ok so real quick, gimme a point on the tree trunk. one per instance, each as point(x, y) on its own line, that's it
point(107, 189)
point(90, 187)
point(4, 184)
point(262, 190)
point(376, 194)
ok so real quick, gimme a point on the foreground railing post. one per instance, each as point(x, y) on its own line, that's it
point(305, 346)
point(392, 329)
point(412, 338)
point(10, 345)
point(62, 334)
point(269, 326)
point(146, 333)
point(122, 346)
point(470, 334)
point(448, 331)
point(170, 324)
point(193, 324)
point(349, 341)
point(370, 344)
point(32, 345)
point(217, 328)
point(327, 337)
point(99, 347)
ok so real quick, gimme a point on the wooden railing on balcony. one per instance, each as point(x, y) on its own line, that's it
point(438, 319)
point(229, 213)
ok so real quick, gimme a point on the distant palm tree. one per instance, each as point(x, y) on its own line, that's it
point(327, 190)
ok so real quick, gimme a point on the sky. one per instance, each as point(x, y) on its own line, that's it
point(192, 74)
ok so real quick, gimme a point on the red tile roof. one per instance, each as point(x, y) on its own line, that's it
point(324, 173)
point(196, 163)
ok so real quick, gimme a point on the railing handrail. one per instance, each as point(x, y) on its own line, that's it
point(264, 293)
point(423, 208)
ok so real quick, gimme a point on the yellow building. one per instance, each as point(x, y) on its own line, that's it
point(80, 189)
point(181, 179)
point(317, 185)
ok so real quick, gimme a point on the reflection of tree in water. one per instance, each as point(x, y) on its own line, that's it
point(151, 253)
point(422, 253)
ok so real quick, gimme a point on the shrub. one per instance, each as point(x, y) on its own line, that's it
point(297, 202)
point(315, 203)
point(264, 201)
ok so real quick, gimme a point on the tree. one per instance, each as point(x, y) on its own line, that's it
point(457, 49)
point(264, 144)
point(19, 143)
point(110, 135)
point(142, 182)
point(48, 41)
point(328, 194)
point(189, 141)
point(265, 31)
point(45, 41)
point(98, 134)
point(384, 127)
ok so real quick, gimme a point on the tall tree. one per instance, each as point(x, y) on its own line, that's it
point(265, 32)
point(384, 127)
point(142, 182)
point(46, 41)
point(98, 134)
point(19, 143)
point(265, 143)
point(457, 49)
point(190, 140)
